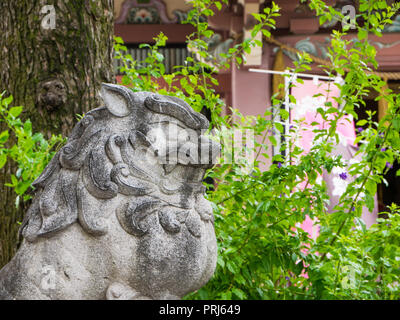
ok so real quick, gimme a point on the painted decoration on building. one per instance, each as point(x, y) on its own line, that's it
point(153, 12)
point(150, 12)
point(143, 16)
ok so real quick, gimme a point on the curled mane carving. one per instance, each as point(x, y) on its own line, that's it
point(107, 157)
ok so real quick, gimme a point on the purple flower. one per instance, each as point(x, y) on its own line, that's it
point(383, 149)
point(279, 165)
point(389, 165)
point(343, 175)
point(359, 129)
point(291, 127)
point(381, 134)
point(287, 278)
point(352, 208)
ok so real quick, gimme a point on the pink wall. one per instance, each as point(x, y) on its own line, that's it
point(251, 93)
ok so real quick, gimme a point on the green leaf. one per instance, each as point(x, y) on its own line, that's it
point(15, 111)
point(159, 56)
point(369, 201)
point(3, 160)
point(284, 114)
point(7, 101)
point(22, 187)
point(231, 267)
point(118, 40)
point(279, 126)
point(381, 5)
point(362, 34)
point(266, 33)
point(239, 293)
point(14, 180)
point(371, 187)
point(396, 123)
point(226, 295)
point(273, 140)
point(220, 261)
point(28, 127)
point(4, 136)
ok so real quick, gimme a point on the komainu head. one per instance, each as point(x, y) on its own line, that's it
point(139, 155)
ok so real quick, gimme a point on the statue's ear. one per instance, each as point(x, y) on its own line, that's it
point(118, 99)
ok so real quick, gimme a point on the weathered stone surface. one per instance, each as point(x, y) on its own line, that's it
point(119, 212)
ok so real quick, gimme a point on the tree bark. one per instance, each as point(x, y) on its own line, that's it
point(55, 73)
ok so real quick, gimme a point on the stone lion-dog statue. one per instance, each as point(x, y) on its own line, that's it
point(119, 212)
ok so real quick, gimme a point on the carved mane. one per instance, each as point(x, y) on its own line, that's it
point(98, 164)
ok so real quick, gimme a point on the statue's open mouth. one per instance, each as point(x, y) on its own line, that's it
point(185, 173)
point(202, 155)
point(168, 168)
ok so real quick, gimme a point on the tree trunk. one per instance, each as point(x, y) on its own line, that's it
point(54, 71)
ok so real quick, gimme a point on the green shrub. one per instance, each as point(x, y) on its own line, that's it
point(30, 151)
point(262, 252)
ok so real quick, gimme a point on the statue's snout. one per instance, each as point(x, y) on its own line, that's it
point(186, 147)
point(209, 150)
point(201, 152)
